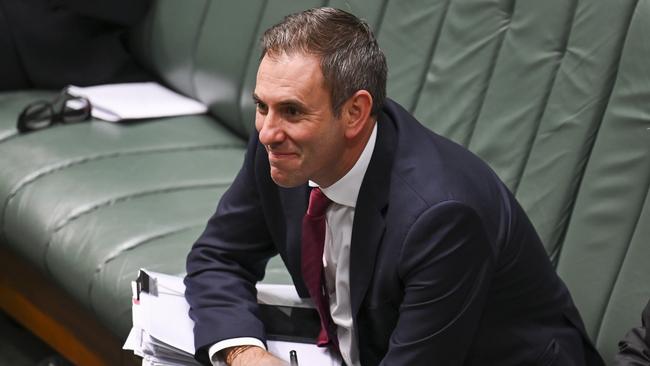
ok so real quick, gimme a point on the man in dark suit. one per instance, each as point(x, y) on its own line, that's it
point(427, 259)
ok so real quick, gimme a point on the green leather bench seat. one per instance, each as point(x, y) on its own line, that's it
point(78, 197)
point(554, 95)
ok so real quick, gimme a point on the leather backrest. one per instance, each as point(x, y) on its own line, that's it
point(524, 86)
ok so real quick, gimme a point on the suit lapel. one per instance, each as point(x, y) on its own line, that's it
point(294, 205)
point(369, 224)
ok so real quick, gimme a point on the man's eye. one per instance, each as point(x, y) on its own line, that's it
point(292, 111)
point(261, 107)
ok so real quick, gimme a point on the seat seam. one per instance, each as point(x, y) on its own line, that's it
point(546, 98)
point(570, 209)
point(115, 255)
point(43, 172)
point(111, 202)
point(195, 47)
point(624, 258)
point(381, 17)
point(429, 59)
point(490, 74)
point(242, 75)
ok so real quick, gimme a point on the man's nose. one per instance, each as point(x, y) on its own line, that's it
point(270, 132)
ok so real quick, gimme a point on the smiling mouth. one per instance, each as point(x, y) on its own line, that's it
point(273, 155)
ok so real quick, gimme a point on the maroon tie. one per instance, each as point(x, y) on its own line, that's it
point(313, 243)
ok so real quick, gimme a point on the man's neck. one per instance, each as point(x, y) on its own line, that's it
point(352, 154)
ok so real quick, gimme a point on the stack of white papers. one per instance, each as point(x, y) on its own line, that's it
point(117, 102)
point(161, 324)
point(162, 332)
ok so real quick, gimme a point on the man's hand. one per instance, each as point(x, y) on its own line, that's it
point(251, 355)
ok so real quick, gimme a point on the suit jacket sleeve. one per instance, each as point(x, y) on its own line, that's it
point(225, 263)
point(446, 266)
point(634, 349)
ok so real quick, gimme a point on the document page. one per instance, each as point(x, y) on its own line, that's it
point(116, 102)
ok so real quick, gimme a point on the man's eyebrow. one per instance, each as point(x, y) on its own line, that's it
point(289, 102)
point(293, 103)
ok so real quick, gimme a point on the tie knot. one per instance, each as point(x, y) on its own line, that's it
point(318, 203)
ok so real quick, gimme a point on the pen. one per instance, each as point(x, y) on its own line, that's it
point(293, 358)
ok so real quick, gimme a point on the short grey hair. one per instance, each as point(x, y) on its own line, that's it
point(350, 57)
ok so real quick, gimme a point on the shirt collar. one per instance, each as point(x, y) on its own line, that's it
point(346, 190)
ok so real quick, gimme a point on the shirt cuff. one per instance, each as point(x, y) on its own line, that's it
point(215, 356)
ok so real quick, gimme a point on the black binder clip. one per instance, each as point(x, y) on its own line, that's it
point(147, 284)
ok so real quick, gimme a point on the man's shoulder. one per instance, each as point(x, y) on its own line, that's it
point(432, 168)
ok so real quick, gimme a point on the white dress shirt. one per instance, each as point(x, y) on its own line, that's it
point(336, 259)
point(336, 256)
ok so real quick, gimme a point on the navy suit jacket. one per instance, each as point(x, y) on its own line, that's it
point(445, 267)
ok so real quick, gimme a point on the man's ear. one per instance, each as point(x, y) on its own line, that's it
point(356, 113)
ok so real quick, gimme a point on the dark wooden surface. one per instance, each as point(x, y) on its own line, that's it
point(53, 316)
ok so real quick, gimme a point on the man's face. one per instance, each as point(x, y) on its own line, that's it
point(295, 121)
